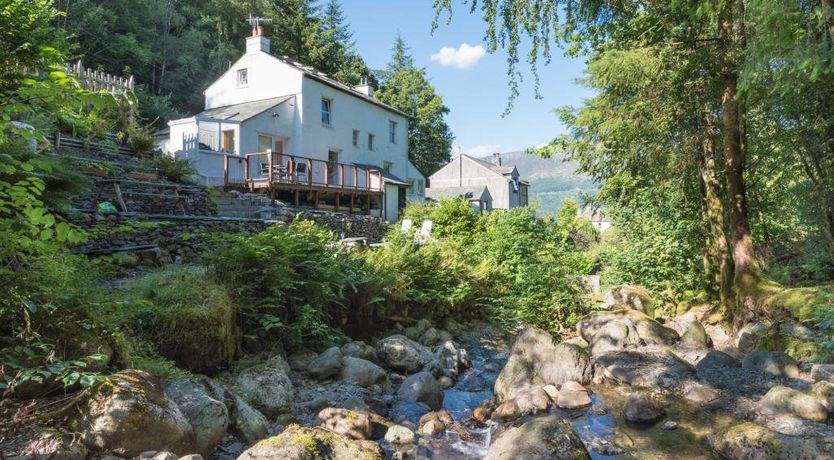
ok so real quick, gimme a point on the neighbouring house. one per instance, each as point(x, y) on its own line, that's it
point(478, 195)
point(488, 184)
point(274, 125)
point(598, 219)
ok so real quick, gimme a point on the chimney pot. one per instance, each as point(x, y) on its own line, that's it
point(496, 159)
point(257, 31)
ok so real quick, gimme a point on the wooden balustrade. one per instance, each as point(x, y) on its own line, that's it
point(292, 172)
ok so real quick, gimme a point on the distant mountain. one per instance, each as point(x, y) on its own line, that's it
point(551, 179)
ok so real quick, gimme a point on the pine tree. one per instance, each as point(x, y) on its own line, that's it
point(407, 88)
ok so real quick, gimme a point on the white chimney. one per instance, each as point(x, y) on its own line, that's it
point(364, 87)
point(257, 42)
point(496, 159)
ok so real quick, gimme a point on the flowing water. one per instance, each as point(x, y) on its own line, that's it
point(601, 428)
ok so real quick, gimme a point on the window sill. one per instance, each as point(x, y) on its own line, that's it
point(324, 125)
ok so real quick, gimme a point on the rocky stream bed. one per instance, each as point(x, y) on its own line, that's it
point(625, 386)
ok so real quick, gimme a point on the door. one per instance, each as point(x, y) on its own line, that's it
point(333, 168)
point(401, 199)
point(229, 141)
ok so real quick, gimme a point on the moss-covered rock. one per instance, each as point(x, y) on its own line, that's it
point(543, 438)
point(752, 441)
point(629, 297)
point(131, 414)
point(304, 443)
point(202, 335)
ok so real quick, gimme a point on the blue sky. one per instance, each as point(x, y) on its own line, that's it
point(475, 90)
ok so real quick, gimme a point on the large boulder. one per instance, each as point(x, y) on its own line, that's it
point(572, 395)
point(326, 365)
point(267, 389)
point(418, 329)
point(246, 422)
point(403, 354)
point(299, 360)
point(398, 434)
point(361, 372)
point(641, 408)
point(535, 360)
point(629, 297)
point(782, 400)
point(772, 362)
point(358, 349)
point(752, 335)
point(695, 336)
point(350, 423)
point(422, 387)
point(543, 438)
point(619, 329)
point(652, 370)
point(305, 443)
point(130, 414)
point(717, 358)
point(751, 441)
point(206, 413)
point(449, 360)
point(822, 373)
point(532, 400)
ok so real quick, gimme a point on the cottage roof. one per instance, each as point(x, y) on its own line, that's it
point(473, 193)
point(243, 111)
point(386, 176)
point(503, 170)
point(327, 80)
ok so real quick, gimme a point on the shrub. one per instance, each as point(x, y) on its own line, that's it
point(140, 139)
point(187, 315)
point(176, 170)
point(290, 281)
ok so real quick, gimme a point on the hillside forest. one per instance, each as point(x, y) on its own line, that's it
point(700, 326)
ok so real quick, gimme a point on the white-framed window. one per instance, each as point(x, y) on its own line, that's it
point(242, 78)
point(370, 141)
point(392, 131)
point(356, 138)
point(325, 111)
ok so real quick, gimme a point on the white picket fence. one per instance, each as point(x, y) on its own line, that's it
point(95, 80)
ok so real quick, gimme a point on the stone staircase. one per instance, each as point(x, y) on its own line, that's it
point(248, 206)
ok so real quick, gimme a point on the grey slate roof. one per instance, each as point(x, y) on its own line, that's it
point(386, 176)
point(473, 193)
point(503, 170)
point(327, 80)
point(243, 111)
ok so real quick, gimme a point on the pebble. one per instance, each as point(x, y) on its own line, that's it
point(669, 425)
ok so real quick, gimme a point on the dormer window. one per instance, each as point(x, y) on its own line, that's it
point(325, 111)
point(242, 78)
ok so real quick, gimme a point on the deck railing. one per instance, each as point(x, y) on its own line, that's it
point(278, 170)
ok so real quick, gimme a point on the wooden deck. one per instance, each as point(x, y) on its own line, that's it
point(315, 180)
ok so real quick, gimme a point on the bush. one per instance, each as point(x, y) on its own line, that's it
point(189, 317)
point(140, 139)
point(291, 282)
point(176, 170)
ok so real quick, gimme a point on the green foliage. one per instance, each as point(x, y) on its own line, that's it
point(48, 338)
point(177, 170)
point(288, 280)
point(140, 139)
point(407, 88)
point(510, 265)
point(188, 316)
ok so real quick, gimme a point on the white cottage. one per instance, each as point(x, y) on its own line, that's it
point(276, 125)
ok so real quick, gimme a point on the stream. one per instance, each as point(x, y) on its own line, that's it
point(600, 426)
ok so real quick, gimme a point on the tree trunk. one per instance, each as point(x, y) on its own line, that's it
point(745, 268)
point(717, 263)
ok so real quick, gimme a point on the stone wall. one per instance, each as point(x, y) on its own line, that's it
point(184, 238)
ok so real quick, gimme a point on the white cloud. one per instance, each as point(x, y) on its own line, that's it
point(464, 57)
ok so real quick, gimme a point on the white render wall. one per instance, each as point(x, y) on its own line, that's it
point(268, 77)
